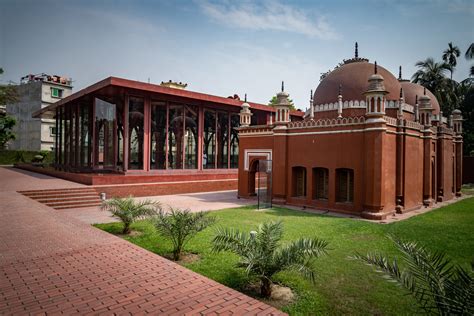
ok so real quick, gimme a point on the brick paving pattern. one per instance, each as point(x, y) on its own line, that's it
point(53, 263)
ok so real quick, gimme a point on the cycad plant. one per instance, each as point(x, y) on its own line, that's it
point(438, 285)
point(262, 255)
point(180, 226)
point(128, 210)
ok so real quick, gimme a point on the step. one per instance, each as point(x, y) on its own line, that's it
point(61, 203)
point(56, 191)
point(68, 198)
point(75, 206)
point(62, 195)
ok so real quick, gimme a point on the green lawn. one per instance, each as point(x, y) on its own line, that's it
point(343, 286)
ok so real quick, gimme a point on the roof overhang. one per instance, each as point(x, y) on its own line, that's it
point(50, 111)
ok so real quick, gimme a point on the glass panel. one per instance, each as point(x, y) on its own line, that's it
point(72, 153)
point(191, 137)
point(120, 130)
point(209, 140)
point(222, 140)
point(85, 134)
point(264, 182)
point(66, 141)
point(105, 123)
point(175, 137)
point(234, 141)
point(136, 126)
point(158, 136)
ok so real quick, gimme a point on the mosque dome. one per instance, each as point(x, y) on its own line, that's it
point(411, 90)
point(353, 77)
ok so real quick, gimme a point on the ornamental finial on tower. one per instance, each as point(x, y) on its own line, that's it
point(400, 73)
point(311, 95)
point(282, 86)
point(245, 98)
point(375, 67)
point(340, 89)
point(356, 50)
point(401, 93)
point(424, 90)
point(416, 99)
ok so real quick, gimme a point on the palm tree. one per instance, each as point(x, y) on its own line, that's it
point(470, 52)
point(470, 55)
point(450, 55)
point(180, 226)
point(262, 256)
point(439, 286)
point(128, 210)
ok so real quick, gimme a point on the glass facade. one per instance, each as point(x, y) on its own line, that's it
point(136, 125)
point(100, 133)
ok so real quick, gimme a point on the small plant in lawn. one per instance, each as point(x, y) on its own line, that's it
point(262, 256)
point(439, 286)
point(180, 226)
point(128, 210)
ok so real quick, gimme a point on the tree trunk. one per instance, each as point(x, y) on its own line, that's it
point(265, 287)
point(126, 228)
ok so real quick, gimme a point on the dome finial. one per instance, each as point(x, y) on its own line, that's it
point(416, 99)
point(400, 73)
point(401, 93)
point(340, 89)
point(356, 50)
point(282, 86)
point(311, 95)
point(424, 90)
point(375, 67)
point(245, 98)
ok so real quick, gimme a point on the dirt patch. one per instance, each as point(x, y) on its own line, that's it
point(281, 295)
point(186, 258)
point(133, 233)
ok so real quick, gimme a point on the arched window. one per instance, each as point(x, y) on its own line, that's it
point(345, 185)
point(372, 104)
point(299, 181)
point(378, 105)
point(320, 183)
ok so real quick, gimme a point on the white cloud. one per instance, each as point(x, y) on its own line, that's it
point(270, 15)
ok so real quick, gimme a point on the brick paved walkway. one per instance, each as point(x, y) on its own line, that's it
point(53, 263)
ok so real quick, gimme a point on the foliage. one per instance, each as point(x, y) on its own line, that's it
point(467, 109)
point(128, 210)
point(470, 55)
point(438, 285)
point(274, 101)
point(180, 226)
point(262, 256)
point(8, 93)
point(6, 125)
point(9, 157)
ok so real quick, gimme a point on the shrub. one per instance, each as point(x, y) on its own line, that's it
point(262, 256)
point(180, 226)
point(128, 210)
point(439, 286)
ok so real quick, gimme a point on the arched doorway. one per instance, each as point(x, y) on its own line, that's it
point(253, 170)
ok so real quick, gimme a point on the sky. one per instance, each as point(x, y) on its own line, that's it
point(226, 47)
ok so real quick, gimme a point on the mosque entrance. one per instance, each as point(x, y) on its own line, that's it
point(264, 183)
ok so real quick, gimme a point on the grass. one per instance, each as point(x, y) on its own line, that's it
point(343, 286)
point(9, 157)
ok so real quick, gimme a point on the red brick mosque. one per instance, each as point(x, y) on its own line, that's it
point(370, 145)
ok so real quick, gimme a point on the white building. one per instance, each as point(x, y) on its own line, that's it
point(34, 93)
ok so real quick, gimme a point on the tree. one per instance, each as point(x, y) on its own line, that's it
point(432, 75)
point(450, 55)
point(181, 226)
point(6, 125)
point(128, 210)
point(8, 93)
point(439, 286)
point(470, 55)
point(273, 102)
point(262, 256)
point(467, 109)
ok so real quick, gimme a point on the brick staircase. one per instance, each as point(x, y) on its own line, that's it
point(65, 198)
